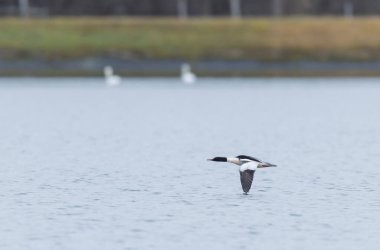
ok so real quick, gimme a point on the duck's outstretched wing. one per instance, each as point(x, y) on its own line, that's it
point(246, 178)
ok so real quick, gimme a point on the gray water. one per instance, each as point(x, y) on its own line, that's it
point(83, 166)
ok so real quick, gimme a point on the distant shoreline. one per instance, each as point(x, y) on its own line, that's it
point(287, 39)
point(290, 46)
point(246, 68)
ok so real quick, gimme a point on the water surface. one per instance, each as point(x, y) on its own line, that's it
point(84, 166)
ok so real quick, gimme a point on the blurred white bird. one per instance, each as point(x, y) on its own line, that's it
point(111, 79)
point(187, 76)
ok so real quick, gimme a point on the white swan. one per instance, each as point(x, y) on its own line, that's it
point(187, 76)
point(111, 79)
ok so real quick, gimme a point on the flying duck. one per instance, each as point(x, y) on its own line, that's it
point(248, 166)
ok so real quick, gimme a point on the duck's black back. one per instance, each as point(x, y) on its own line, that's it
point(248, 158)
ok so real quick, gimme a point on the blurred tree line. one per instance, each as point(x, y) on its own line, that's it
point(195, 7)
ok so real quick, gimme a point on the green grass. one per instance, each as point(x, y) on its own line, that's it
point(288, 39)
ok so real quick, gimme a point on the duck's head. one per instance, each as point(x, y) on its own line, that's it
point(227, 159)
point(219, 159)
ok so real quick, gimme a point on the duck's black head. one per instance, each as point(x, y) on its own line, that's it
point(220, 159)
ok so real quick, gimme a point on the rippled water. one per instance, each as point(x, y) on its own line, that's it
point(83, 166)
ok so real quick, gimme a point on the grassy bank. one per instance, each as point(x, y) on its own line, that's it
point(286, 39)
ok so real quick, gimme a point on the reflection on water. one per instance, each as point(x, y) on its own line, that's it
point(88, 167)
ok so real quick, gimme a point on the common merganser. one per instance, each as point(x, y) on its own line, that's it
point(248, 166)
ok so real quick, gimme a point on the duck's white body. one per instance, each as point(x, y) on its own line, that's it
point(187, 76)
point(252, 165)
point(111, 79)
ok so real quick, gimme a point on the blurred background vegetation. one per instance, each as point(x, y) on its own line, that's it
point(263, 31)
point(193, 7)
point(260, 39)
